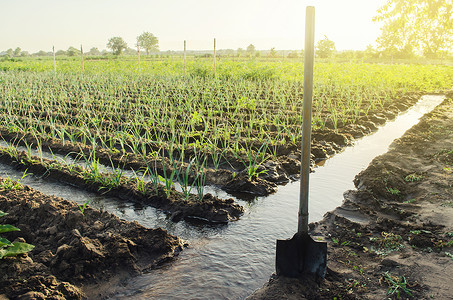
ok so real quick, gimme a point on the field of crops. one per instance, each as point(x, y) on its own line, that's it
point(239, 130)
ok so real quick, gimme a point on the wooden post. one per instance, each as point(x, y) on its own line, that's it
point(138, 53)
point(81, 56)
point(185, 58)
point(215, 60)
point(54, 62)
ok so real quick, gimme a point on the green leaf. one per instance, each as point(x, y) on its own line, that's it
point(8, 228)
point(2, 214)
point(16, 249)
point(4, 242)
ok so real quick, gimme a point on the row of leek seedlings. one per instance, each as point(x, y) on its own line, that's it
point(166, 106)
point(86, 136)
point(83, 134)
point(187, 177)
point(254, 159)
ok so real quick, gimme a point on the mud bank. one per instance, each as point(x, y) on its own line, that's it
point(393, 236)
point(79, 253)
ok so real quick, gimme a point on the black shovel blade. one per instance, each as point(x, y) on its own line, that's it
point(301, 255)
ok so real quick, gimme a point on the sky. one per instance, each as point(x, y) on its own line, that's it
point(35, 25)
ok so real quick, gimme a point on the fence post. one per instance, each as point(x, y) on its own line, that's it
point(185, 58)
point(54, 62)
point(138, 53)
point(215, 61)
point(81, 55)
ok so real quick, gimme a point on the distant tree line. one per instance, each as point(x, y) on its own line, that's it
point(411, 28)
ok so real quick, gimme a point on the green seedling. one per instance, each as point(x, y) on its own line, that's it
point(183, 176)
point(253, 163)
point(9, 184)
point(396, 285)
point(200, 167)
point(83, 206)
point(393, 191)
point(387, 242)
point(140, 183)
point(443, 244)
point(8, 248)
point(413, 177)
point(167, 180)
point(449, 255)
point(410, 201)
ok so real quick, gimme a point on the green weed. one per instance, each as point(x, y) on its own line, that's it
point(9, 184)
point(393, 191)
point(8, 248)
point(413, 177)
point(396, 285)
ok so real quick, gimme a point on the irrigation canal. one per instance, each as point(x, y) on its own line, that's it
point(231, 261)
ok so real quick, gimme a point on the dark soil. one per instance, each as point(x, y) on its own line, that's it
point(77, 255)
point(393, 236)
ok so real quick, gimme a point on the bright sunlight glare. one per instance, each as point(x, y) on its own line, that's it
point(38, 25)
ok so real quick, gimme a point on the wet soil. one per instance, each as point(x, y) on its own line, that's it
point(209, 209)
point(77, 255)
point(393, 236)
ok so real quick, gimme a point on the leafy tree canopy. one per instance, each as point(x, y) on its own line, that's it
point(73, 51)
point(117, 45)
point(325, 48)
point(60, 52)
point(273, 52)
point(17, 51)
point(424, 26)
point(251, 50)
point(148, 41)
point(94, 51)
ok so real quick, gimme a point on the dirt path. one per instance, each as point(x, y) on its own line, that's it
point(393, 237)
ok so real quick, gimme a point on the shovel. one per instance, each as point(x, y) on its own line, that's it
point(301, 255)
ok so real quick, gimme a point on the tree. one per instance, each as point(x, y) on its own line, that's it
point(148, 41)
point(424, 26)
point(370, 52)
point(94, 51)
point(130, 51)
point(17, 51)
point(293, 54)
point(9, 52)
point(250, 50)
point(42, 53)
point(240, 52)
point(60, 53)
point(72, 51)
point(325, 48)
point(117, 45)
point(273, 52)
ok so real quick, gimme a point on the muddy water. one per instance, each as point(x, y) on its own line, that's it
point(230, 262)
